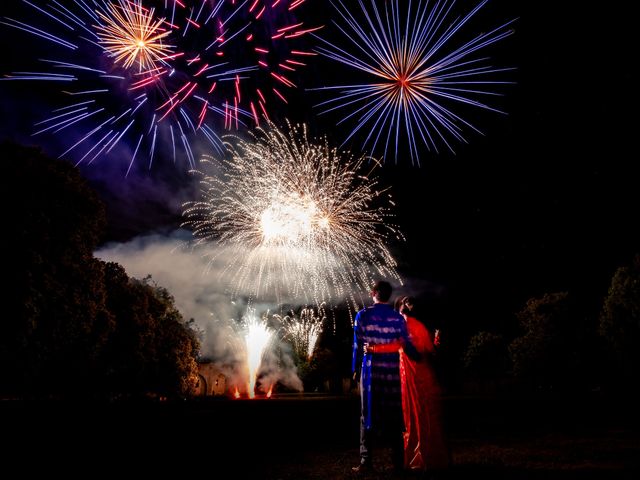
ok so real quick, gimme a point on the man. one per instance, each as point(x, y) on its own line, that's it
point(381, 409)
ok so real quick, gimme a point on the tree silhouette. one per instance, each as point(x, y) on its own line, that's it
point(620, 322)
point(552, 352)
point(486, 356)
point(74, 324)
point(151, 348)
point(56, 296)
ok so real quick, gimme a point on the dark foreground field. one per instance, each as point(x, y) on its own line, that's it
point(315, 437)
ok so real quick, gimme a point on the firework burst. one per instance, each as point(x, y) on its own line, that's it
point(293, 218)
point(132, 34)
point(241, 52)
point(414, 74)
point(152, 75)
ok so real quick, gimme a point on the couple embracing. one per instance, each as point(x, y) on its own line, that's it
point(400, 396)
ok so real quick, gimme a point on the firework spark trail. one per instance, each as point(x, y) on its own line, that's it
point(294, 219)
point(230, 49)
point(169, 71)
point(303, 331)
point(416, 76)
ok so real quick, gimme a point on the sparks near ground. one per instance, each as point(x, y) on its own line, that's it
point(415, 73)
point(151, 76)
point(294, 218)
point(303, 331)
point(257, 337)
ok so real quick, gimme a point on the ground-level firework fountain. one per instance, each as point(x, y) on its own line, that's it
point(261, 361)
point(257, 338)
point(303, 331)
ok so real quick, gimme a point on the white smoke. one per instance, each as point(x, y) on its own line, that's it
point(198, 286)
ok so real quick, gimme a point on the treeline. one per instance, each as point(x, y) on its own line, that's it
point(556, 342)
point(73, 324)
point(561, 347)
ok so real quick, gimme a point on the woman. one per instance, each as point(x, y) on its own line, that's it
point(425, 447)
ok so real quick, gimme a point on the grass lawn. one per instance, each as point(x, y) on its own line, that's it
point(316, 437)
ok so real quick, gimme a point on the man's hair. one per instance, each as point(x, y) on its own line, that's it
point(382, 290)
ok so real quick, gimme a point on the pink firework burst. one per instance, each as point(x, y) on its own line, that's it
point(147, 77)
point(236, 59)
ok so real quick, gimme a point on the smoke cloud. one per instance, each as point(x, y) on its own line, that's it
point(200, 293)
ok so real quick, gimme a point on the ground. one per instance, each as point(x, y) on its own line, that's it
point(315, 437)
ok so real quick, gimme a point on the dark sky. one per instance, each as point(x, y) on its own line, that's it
point(545, 201)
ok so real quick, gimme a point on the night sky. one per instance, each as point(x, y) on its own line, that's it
point(545, 201)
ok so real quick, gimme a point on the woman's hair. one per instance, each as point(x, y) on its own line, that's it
point(404, 304)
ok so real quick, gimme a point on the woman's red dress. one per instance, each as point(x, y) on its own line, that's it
point(424, 441)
